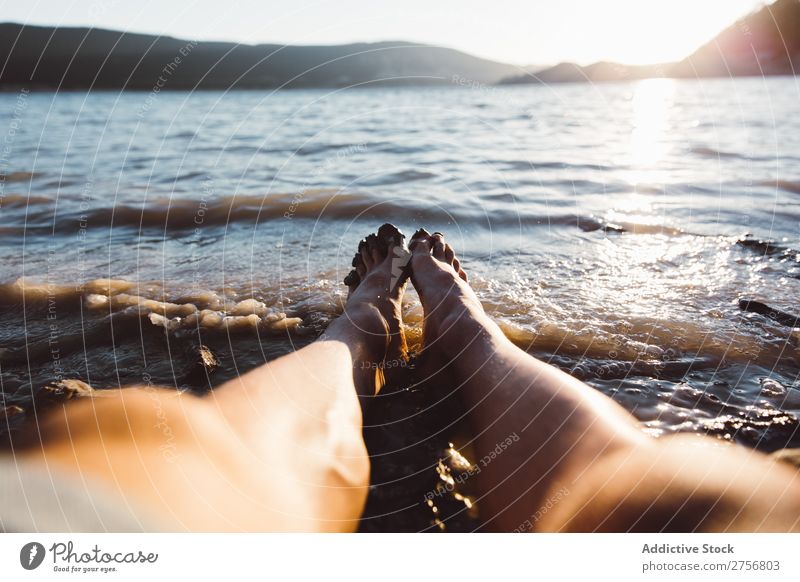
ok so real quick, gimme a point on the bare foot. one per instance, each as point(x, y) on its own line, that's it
point(373, 310)
point(452, 310)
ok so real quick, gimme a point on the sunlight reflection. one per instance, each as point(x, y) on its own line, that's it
point(626, 204)
point(652, 101)
point(659, 271)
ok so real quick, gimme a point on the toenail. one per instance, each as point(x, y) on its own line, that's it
point(352, 279)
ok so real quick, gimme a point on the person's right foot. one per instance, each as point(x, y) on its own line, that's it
point(447, 299)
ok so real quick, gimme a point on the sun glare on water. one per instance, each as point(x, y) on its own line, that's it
point(652, 100)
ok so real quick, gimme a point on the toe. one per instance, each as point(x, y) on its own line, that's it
point(438, 245)
point(449, 254)
point(420, 243)
point(352, 280)
point(366, 251)
point(362, 247)
point(392, 241)
point(373, 251)
point(389, 235)
point(458, 269)
point(360, 267)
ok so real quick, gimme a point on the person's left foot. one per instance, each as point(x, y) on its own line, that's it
point(376, 285)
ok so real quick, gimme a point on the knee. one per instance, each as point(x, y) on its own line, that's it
point(681, 484)
point(349, 468)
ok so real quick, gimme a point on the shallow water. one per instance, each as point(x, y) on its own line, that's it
point(602, 226)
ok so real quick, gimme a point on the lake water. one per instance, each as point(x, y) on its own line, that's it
point(605, 227)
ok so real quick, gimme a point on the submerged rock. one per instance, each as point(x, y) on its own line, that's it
point(774, 314)
point(203, 363)
point(765, 247)
point(207, 359)
point(8, 412)
point(66, 390)
point(772, 387)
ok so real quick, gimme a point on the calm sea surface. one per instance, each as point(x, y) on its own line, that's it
point(605, 227)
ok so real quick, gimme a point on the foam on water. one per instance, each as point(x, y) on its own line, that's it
point(603, 227)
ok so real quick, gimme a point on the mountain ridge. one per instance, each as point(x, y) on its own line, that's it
point(83, 58)
point(764, 42)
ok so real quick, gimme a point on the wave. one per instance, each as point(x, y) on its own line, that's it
point(86, 310)
point(19, 176)
point(649, 347)
point(400, 177)
point(313, 149)
point(299, 307)
point(539, 165)
point(787, 185)
point(21, 201)
point(708, 152)
point(183, 214)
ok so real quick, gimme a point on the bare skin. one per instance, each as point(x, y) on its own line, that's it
point(278, 449)
point(580, 462)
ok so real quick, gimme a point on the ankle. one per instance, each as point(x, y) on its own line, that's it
point(466, 328)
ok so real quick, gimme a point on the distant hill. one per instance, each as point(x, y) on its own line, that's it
point(765, 42)
point(81, 58)
point(594, 73)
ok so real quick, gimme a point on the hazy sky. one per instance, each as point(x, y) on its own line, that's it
point(520, 32)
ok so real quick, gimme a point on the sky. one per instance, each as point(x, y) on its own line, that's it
point(522, 32)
